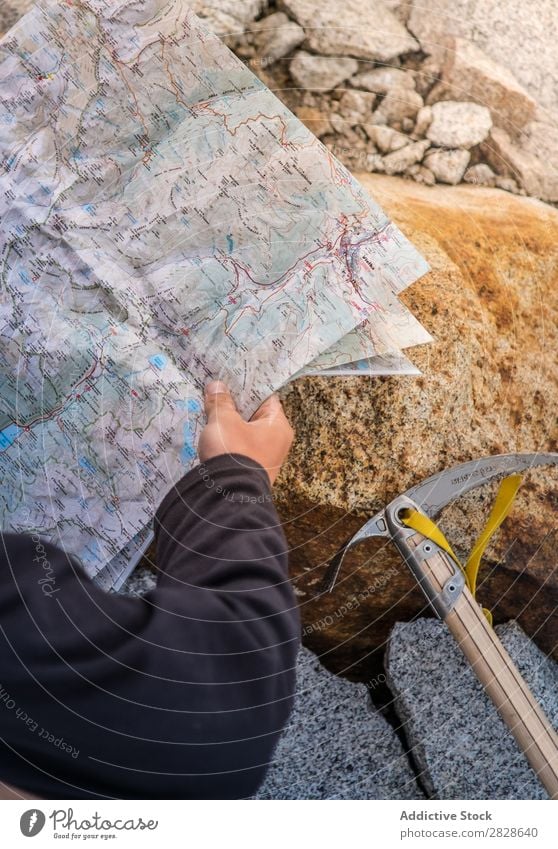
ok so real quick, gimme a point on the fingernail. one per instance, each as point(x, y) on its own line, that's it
point(215, 387)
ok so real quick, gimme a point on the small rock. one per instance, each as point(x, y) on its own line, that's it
point(356, 106)
point(385, 138)
point(424, 119)
point(407, 125)
point(448, 166)
point(276, 36)
point(508, 184)
point(245, 50)
point(481, 175)
point(458, 124)
point(348, 136)
point(336, 746)
point(468, 69)
point(140, 582)
point(374, 163)
point(382, 80)
point(338, 123)
point(427, 75)
point(400, 160)
point(424, 175)
point(314, 119)
point(320, 72)
point(228, 17)
point(463, 748)
point(352, 28)
point(316, 100)
point(399, 103)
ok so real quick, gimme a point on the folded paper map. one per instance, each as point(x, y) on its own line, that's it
point(164, 220)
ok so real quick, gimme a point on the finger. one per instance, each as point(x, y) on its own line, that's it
point(270, 409)
point(218, 399)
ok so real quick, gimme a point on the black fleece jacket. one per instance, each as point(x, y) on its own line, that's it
point(182, 693)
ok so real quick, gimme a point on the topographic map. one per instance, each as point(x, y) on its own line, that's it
point(164, 220)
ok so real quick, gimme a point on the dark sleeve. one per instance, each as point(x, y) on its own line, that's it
point(224, 579)
point(182, 693)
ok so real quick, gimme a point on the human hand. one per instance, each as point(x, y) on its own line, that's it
point(266, 438)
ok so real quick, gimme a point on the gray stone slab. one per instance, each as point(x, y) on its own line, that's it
point(336, 745)
point(461, 745)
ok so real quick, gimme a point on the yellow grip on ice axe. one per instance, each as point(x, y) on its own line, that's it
point(500, 509)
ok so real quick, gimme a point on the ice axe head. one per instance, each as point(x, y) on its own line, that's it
point(436, 492)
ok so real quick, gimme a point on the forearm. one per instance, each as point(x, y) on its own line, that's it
point(218, 528)
point(223, 560)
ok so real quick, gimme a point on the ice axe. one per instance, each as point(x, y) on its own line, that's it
point(450, 588)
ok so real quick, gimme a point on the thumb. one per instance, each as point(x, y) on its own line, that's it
point(218, 399)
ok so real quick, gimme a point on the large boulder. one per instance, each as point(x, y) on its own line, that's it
point(533, 163)
point(467, 72)
point(489, 385)
point(518, 35)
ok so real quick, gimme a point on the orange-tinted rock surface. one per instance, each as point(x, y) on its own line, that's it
point(489, 385)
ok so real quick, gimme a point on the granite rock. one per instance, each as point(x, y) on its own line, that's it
point(480, 175)
point(382, 80)
point(518, 35)
point(228, 17)
point(320, 72)
point(534, 163)
point(399, 103)
point(351, 28)
point(469, 74)
point(448, 166)
point(458, 124)
point(276, 37)
point(508, 184)
point(356, 107)
point(374, 163)
point(424, 175)
point(336, 745)
point(461, 745)
point(427, 75)
point(489, 386)
point(143, 579)
point(423, 121)
point(385, 138)
point(400, 160)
